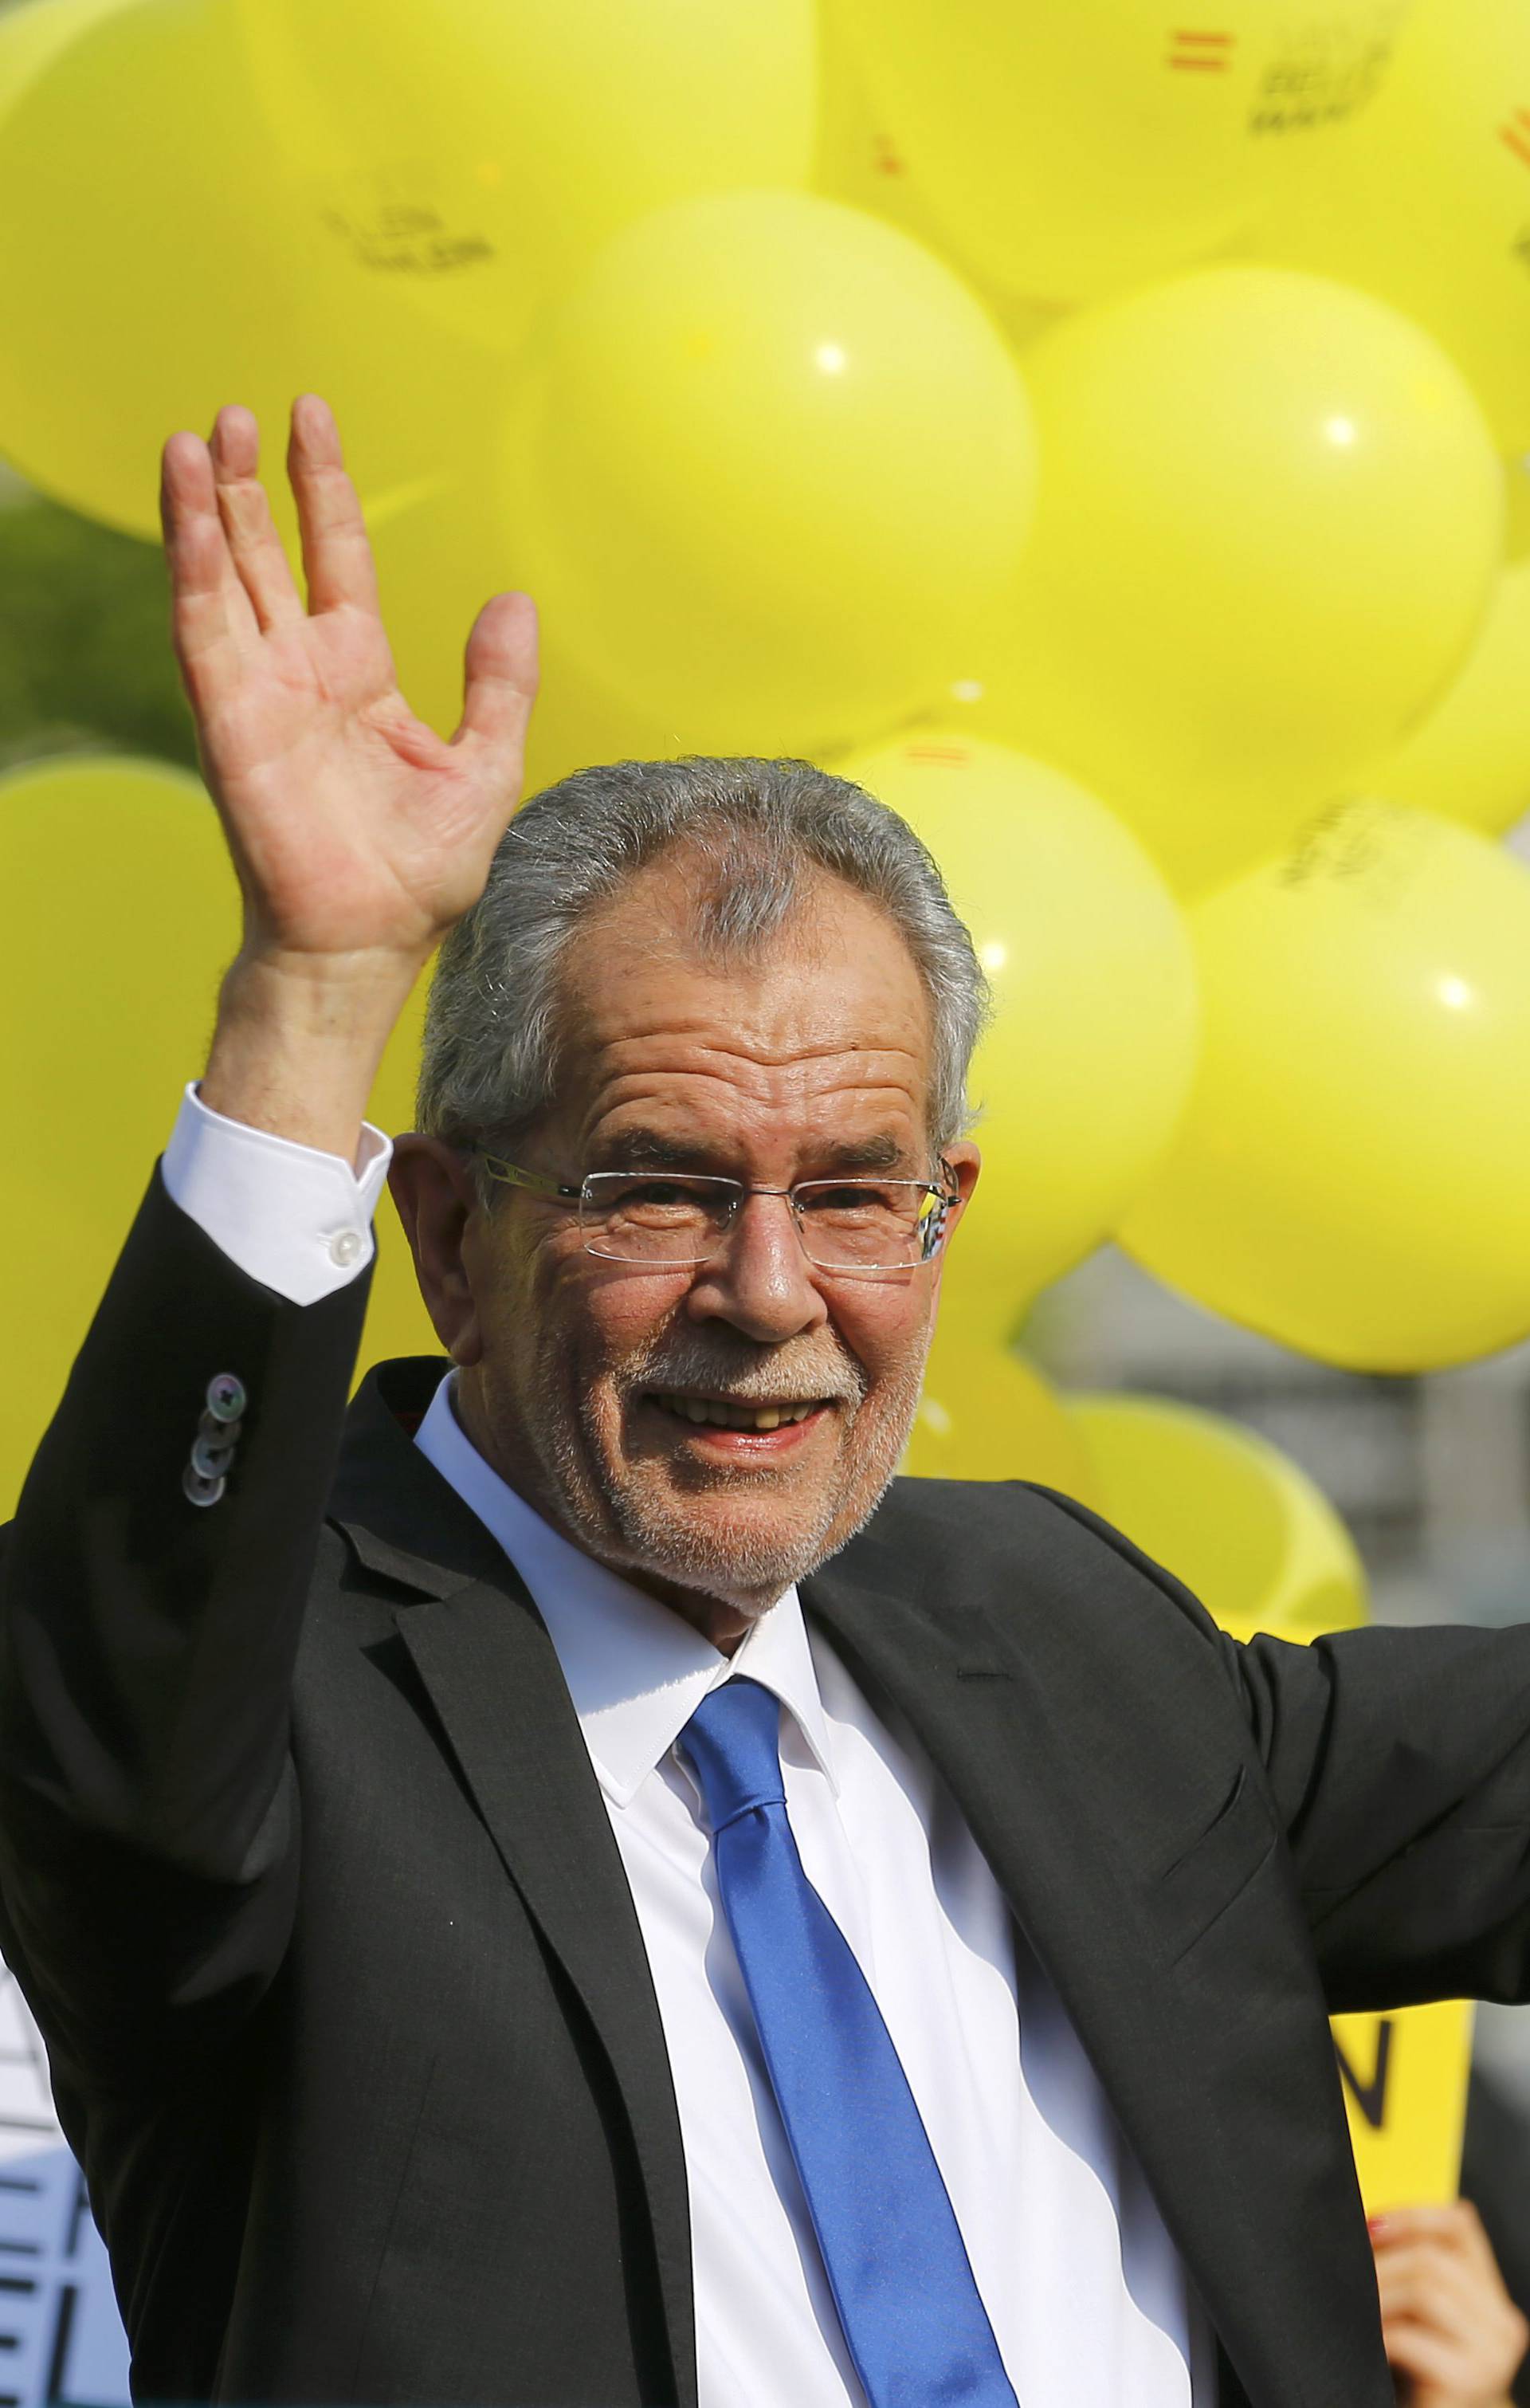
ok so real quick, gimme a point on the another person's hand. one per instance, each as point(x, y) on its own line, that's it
point(358, 834)
point(1454, 2338)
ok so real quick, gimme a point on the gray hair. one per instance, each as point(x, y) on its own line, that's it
point(759, 830)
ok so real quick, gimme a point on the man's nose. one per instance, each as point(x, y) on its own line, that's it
point(760, 1280)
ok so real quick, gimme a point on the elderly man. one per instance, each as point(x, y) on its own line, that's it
point(565, 1883)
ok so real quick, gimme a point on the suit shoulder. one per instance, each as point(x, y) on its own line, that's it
point(1006, 1508)
point(1022, 1524)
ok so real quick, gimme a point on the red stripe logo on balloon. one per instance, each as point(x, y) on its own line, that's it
point(1213, 52)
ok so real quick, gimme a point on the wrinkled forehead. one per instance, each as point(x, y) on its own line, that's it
point(826, 1019)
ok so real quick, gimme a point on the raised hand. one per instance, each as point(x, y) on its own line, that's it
point(356, 832)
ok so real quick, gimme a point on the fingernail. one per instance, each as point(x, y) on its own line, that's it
point(1377, 2222)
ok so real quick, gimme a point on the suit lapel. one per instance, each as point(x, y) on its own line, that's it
point(1218, 2090)
point(484, 1655)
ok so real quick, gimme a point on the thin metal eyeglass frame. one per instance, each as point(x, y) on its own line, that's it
point(541, 1183)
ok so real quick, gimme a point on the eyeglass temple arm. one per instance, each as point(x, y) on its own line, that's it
point(536, 1182)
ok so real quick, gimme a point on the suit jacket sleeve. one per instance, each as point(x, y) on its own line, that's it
point(1397, 1762)
point(149, 1812)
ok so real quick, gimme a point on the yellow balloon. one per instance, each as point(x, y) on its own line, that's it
point(1470, 757)
point(33, 34)
point(119, 914)
point(437, 563)
point(155, 267)
point(1353, 1174)
point(985, 1413)
point(855, 159)
point(1517, 478)
point(772, 465)
point(1084, 1073)
point(474, 158)
point(1067, 151)
point(1268, 526)
point(859, 162)
point(1426, 199)
point(1228, 1514)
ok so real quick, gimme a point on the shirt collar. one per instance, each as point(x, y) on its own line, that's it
point(635, 1669)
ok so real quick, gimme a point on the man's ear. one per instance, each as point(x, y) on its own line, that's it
point(964, 1163)
point(432, 1186)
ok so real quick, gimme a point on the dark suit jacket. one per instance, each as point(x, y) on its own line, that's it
point(309, 1884)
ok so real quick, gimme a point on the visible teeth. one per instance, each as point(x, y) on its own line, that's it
point(758, 1417)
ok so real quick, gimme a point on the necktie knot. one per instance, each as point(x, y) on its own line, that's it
point(732, 1739)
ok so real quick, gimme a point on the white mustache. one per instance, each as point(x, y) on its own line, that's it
point(777, 1383)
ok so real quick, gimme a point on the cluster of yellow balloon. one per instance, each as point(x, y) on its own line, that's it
point(157, 266)
point(1093, 432)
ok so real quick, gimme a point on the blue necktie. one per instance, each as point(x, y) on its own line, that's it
point(917, 2330)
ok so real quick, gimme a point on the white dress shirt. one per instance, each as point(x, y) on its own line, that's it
point(1086, 2294)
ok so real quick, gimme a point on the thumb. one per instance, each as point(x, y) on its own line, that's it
point(500, 673)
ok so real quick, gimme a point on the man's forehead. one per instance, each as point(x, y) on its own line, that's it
point(837, 978)
point(818, 1021)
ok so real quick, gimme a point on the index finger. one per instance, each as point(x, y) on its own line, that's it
point(337, 552)
point(210, 611)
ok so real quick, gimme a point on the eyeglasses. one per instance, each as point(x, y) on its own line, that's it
point(851, 1224)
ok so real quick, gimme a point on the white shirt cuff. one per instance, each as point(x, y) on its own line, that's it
point(296, 1218)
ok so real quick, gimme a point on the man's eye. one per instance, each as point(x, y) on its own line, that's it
point(660, 1196)
point(839, 1201)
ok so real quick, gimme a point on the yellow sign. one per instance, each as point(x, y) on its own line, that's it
point(1404, 2092)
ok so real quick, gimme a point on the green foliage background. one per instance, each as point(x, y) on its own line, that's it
point(85, 658)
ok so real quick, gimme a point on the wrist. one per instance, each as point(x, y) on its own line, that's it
point(334, 994)
point(299, 1040)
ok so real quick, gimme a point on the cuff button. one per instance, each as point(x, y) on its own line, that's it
point(226, 1398)
point(211, 1460)
point(199, 1488)
point(345, 1246)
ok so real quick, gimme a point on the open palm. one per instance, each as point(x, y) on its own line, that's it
point(354, 829)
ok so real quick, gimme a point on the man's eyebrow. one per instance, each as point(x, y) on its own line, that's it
point(880, 1152)
point(648, 1149)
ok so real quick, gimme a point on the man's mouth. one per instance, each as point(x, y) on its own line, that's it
point(723, 1413)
